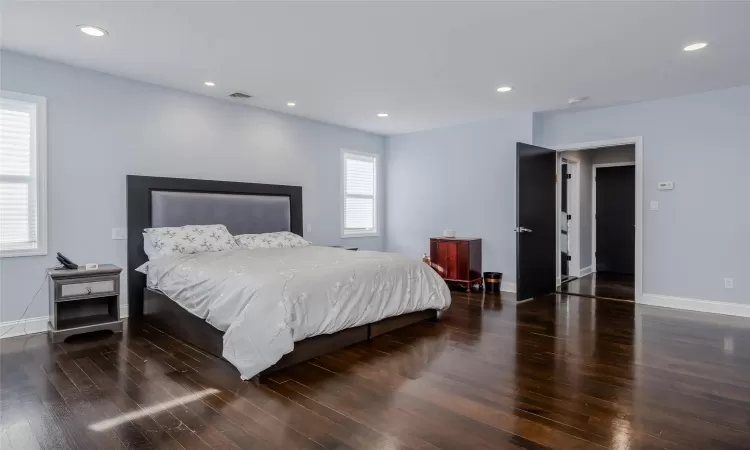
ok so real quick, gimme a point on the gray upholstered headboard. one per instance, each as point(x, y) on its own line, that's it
point(241, 213)
point(242, 207)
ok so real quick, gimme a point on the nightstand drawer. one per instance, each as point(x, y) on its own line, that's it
point(88, 288)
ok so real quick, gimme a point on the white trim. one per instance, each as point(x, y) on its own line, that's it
point(23, 327)
point(638, 142)
point(585, 271)
point(508, 286)
point(692, 304)
point(593, 204)
point(342, 194)
point(40, 155)
point(34, 325)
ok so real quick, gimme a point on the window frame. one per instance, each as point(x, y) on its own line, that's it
point(345, 153)
point(39, 156)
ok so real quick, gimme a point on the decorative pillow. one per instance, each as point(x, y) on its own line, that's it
point(187, 239)
point(281, 239)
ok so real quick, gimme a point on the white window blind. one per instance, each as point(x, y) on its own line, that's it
point(359, 194)
point(21, 227)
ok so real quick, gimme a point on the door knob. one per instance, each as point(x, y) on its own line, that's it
point(522, 230)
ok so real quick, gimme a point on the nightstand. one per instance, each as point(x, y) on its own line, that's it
point(81, 301)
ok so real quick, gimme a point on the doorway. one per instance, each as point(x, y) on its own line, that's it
point(539, 222)
point(614, 218)
point(606, 229)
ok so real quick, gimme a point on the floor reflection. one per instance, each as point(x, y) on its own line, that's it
point(560, 371)
point(574, 369)
point(602, 285)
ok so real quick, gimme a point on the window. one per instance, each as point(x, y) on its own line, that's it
point(22, 175)
point(359, 194)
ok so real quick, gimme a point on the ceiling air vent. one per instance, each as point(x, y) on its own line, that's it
point(240, 95)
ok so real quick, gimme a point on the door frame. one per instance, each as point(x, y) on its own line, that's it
point(637, 141)
point(593, 206)
point(574, 227)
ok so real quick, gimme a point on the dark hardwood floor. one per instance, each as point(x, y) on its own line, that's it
point(602, 285)
point(558, 372)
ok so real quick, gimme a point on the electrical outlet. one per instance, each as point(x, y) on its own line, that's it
point(119, 233)
point(729, 283)
point(654, 205)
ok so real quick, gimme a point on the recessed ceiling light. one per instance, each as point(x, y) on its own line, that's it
point(210, 83)
point(382, 114)
point(696, 46)
point(291, 104)
point(92, 31)
point(504, 89)
point(576, 100)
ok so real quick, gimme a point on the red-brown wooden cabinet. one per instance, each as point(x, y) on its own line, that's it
point(457, 259)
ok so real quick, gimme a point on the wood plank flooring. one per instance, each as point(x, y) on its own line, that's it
point(601, 285)
point(559, 372)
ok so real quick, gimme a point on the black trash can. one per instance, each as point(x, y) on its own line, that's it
point(492, 282)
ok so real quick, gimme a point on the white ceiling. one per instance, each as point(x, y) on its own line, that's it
point(428, 64)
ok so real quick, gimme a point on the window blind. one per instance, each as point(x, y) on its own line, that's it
point(360, 193)
point(18, 176)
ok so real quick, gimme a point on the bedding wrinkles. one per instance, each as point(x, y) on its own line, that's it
point(267, 299)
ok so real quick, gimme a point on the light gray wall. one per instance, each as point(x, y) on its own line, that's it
point(609, 155)
point(701, 142)
point(461, 178)
point(102, 127)
point(587, 158)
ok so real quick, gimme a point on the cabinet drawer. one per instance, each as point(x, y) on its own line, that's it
point(87, 288)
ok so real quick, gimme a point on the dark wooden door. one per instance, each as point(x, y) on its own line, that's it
point(536, 252)
point(615, 219)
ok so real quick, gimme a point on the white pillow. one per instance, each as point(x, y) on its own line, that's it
point(186, 239)
point(281, 239)
point(148, 248)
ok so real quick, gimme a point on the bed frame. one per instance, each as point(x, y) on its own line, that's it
point(243, 208)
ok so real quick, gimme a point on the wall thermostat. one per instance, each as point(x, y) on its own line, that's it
point(666, 185)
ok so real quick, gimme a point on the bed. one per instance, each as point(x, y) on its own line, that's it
point(263, 310)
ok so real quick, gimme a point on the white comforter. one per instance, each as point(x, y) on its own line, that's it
point(267, 299)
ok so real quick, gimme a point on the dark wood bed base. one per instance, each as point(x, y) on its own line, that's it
point(160, 311)
point(166, 315)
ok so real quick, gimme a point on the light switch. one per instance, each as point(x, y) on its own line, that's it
point(654, 205)
point(119, 233)
point(309, 227)
point(665, 186)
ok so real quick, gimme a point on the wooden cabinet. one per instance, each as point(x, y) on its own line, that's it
point(457, 259)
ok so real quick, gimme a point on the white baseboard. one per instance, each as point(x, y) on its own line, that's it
point(507, 286)
point(585, 271)
point(35, 325)
point(31, 325)
point(692, 304)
